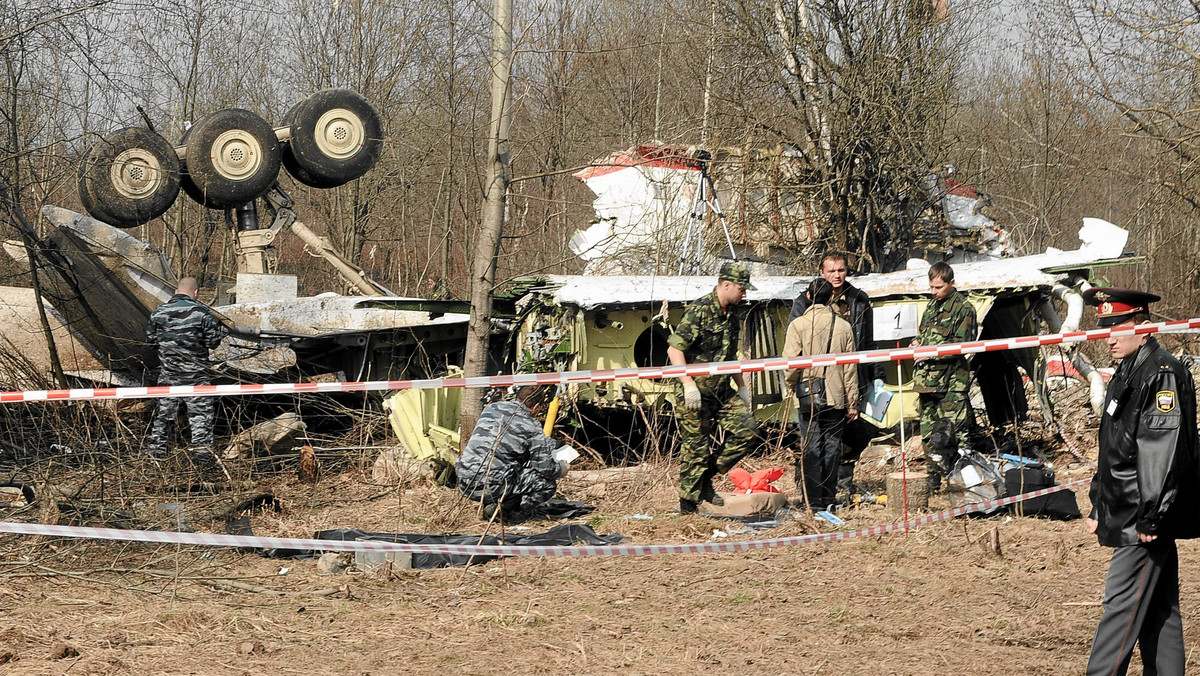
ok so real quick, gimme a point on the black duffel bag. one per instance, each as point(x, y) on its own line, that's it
point(1060, 506)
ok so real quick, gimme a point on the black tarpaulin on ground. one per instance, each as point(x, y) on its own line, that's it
point(553, 509)
point(562, 535)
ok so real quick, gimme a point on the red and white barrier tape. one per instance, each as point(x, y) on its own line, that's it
point(606, 375)
point(217, 540)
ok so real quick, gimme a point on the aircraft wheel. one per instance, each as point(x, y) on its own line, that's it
point(336, 136)
point(129, 177)
point(231, 157)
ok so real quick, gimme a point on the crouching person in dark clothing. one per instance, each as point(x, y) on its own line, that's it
point(509, 462)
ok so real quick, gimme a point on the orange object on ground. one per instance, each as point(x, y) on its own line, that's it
point(759, 482)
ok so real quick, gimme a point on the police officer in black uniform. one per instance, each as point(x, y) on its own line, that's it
point(1146, 492)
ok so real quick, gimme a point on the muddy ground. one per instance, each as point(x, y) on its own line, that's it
point(937, 601)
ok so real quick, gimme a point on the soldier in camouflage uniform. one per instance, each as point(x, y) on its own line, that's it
point(709, 332)
point(942, 383)
point(509, 462)
point(183, 330)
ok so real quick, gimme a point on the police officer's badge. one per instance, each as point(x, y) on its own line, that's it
point(1165, 400)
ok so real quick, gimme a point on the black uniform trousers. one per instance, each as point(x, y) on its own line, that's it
point(1141, 603)
point(821, 448)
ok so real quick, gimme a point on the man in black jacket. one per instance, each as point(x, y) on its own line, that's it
point(1144, 494)
point(855, 307)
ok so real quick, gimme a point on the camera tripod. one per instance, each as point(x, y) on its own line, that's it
point(704, 199)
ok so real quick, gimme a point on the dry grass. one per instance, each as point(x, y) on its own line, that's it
point(937, 601)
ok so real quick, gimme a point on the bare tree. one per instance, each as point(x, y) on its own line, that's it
point(483, 264)
point(862, 90)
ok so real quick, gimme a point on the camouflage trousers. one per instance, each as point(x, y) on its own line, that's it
point(200, 412)
point(701, 456)
point(954, 406)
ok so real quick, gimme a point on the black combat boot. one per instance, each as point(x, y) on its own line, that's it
point(688, 506)
point(709, 494)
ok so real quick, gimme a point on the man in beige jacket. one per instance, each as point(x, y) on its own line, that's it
point(833, 394)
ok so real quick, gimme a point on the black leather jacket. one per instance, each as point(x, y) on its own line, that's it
point(1148, 477)
point(862, 326)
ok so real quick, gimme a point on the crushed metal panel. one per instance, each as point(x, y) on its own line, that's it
point(146, 266)
point(104, 283)
point(254, 357)
point(771, 202)
point(426, 422)
point(330, 314)
point(97, 303)
point(24, 342)
point(358, 338)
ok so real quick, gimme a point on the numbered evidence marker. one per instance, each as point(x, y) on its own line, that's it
point(894, 322)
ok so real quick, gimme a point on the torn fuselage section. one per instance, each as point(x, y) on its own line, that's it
point(102, 283)
point(354, 337)
point(613, 322)
point(763, 205)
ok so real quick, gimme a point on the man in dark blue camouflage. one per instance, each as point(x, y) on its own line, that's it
point(183, 330)
point(709, 331)
point(508, 463)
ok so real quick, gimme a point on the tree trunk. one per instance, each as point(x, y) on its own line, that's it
point(483, 263)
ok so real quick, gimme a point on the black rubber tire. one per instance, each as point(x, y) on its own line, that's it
point(295, 170)
point(231, 157)
point(302, 175)
point(336, 136)
point(129, 178)
point(186, 186)
point(88, 200)
point(191, 190)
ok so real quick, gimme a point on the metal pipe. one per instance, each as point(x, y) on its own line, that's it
point(349, 272)
point(1074, 301)
point(247, 216)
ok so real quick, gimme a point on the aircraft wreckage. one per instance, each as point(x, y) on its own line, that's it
point(104, 283)
point(100, 283)
point(652, 206)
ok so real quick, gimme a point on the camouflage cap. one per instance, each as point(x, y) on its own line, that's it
point(737, 273)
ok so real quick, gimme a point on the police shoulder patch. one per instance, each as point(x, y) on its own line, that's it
point(1165, 400)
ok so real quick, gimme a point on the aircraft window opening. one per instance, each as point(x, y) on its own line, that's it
point(650, 348)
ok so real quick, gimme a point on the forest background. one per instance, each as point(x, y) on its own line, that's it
point(1059, 109)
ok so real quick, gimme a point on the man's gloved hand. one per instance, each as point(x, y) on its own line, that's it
point(744, 393)
point(691, 396)
point(563, 456)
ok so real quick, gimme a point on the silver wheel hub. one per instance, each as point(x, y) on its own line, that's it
point(136, 173)
point(339, 133)
point(236, 155)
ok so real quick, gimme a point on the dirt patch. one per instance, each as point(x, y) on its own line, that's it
point(938, 600)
